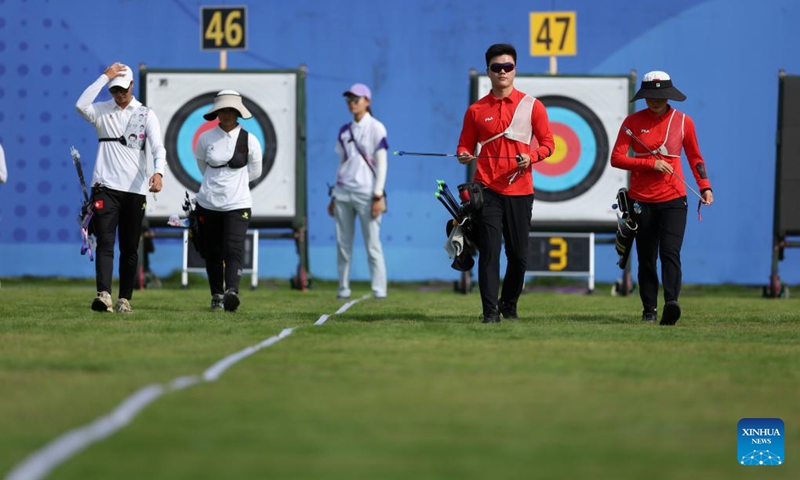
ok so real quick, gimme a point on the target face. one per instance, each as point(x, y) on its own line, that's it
point(181, 98)
point(576, 186)
point(580, 155)
point(188, 124)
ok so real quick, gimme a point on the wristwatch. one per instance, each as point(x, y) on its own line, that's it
point(377, 198)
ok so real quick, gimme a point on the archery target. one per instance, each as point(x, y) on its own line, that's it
point(188, 124)
point(576, 185)
point(580, 155)
point(180, 99)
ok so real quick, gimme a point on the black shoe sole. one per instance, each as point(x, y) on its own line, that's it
point(99, 306)
point(230, 302)
point(672, 312)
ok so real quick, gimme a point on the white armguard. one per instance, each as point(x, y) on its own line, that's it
point(381, 166)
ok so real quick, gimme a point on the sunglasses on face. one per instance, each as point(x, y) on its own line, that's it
point(352, 99)
point(502, 67)
point(118, 90)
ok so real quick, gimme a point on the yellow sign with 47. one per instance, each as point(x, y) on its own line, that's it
point(553, 34)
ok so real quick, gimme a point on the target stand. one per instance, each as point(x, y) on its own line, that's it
point(786, 215)
point(561, 255)
point(193, 262)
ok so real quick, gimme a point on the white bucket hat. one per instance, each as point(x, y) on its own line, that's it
point(228, 99)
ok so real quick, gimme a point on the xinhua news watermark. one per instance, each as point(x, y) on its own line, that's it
point(761, 442)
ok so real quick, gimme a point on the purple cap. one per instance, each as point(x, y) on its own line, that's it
point(359, 90)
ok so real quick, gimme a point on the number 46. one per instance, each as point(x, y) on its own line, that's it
point(228, 32)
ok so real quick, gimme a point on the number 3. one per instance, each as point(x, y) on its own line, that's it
point(559, 254)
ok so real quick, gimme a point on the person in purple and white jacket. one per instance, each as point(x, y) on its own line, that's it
point(359, 190)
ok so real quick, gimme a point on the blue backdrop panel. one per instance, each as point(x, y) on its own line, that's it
point(415, 56)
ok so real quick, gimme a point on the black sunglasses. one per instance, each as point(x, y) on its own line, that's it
point(352, 98)
point(504, 67)
point(118, 90)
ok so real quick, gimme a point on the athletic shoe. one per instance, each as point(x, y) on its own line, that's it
point(102, 303)
point(649, 316)
point(230, 301)
point(216, 303)
point(672, 312)
point(123, 306)
point(491, 317)
point(508, 310)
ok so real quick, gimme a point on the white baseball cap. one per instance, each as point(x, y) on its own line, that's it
point(123, 81)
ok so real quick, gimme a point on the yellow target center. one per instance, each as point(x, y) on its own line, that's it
point(560, 150)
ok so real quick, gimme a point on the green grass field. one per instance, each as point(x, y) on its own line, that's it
point(412, 387)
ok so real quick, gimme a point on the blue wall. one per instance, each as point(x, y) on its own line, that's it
point(416, 55)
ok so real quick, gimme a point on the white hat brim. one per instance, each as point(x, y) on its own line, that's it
point(228, 101)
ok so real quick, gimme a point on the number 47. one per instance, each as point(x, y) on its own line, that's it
point(553, 33)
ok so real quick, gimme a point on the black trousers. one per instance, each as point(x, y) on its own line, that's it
point(223, 235)
point(502, 218)
point(117, 216)
point(661, 229)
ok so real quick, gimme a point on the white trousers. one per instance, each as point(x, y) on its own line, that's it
point(347, 207)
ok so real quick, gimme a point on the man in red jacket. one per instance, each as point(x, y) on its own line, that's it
point(657, 135)
point(499, 131)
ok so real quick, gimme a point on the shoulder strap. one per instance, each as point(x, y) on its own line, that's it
point(361, 151)
point(519, 129)
point(135, 126)
point(241, 140)
point(240, 151)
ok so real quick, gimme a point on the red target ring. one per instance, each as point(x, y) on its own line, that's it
point(566, 154)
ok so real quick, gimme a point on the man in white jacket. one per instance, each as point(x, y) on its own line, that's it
point(120, 180)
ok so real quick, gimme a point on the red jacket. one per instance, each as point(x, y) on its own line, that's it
point(648, 185)
point(488, 117)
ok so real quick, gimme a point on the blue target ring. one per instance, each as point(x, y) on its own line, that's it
point(188, 122)
point(188, 131)
point(581, 151)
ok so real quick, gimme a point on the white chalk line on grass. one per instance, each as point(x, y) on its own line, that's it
point(41, 462)
point(341, 310)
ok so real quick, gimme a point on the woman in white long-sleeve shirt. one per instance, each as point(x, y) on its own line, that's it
point(229, 159)
point(120, 179)
point(359, 192)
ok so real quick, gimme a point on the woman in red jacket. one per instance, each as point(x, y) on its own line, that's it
point(656, 136)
